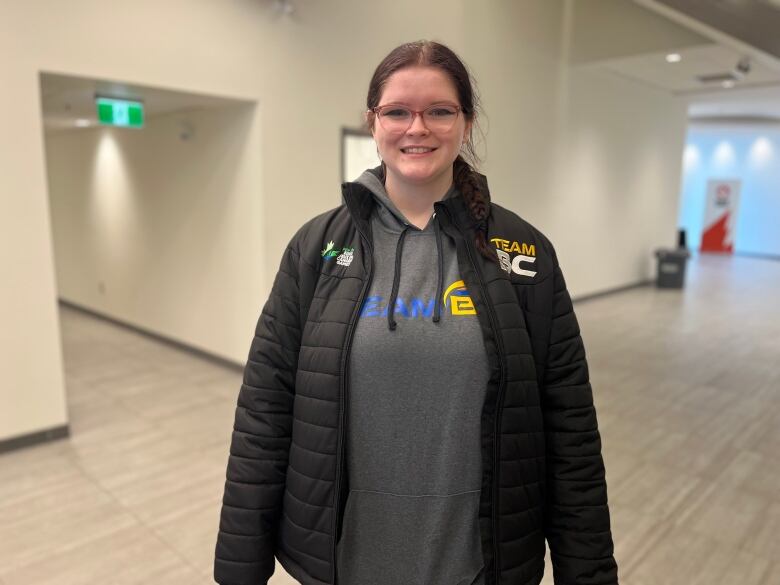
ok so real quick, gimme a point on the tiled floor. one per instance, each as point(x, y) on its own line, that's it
point(687, 387)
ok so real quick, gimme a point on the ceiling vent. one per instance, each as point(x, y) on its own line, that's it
point(717, 78)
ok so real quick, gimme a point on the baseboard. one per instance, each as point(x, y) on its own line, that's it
point(612, 291)
point(35, 438)
point(216, 359)
point(759, 255)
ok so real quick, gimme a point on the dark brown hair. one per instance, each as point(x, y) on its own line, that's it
point(433, 54)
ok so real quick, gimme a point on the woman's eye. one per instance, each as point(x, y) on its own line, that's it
point(442, 112)
point(396, 113)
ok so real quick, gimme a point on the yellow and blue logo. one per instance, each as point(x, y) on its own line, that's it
point(460, 302)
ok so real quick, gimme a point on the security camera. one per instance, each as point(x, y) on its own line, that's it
point(186, 130)
point(743, 66)
point(284, 7)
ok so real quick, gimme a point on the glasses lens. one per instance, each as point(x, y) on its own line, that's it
point(395, 118)
point(440, 118)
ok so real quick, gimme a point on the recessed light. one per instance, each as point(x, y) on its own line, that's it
point(83, 122)
point(673, 58)
point(727, 84)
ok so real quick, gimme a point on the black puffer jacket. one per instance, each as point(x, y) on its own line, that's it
point(543, 475)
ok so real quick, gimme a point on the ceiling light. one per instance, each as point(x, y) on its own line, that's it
point(83, 123)
point(727, 84)
point(673, 58)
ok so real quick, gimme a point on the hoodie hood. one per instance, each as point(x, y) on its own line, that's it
point(390, 216)
point(386, 211)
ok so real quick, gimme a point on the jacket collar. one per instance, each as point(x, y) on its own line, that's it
point(360, 202)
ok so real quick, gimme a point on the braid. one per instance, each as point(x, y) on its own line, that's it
point(477, 202)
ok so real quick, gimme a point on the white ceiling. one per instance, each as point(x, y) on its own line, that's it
point(65, 99)
point(755, 95)
point(682, 77)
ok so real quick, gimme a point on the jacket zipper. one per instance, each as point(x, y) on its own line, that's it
point(499, 399)
point(343, 395)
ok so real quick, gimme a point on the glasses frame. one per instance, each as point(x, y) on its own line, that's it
point(376, 111)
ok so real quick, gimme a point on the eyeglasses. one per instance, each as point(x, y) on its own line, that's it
point(398, 119)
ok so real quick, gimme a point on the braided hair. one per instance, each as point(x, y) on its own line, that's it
point(477, 202)
point(466, 179)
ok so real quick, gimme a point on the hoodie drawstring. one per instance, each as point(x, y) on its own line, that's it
point(440, 286)
point(396, 280)
point(391, 323)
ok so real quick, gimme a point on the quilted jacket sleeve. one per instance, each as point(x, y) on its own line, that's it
point(260, 443)
point(577, 522)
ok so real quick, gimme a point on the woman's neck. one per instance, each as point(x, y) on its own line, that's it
point(415, 200)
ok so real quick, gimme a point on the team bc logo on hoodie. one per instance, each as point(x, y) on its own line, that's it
point(525, 254)
point(456, 298)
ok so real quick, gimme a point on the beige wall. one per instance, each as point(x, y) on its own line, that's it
point(322, 57)
point(617, 180)
point(31, 374)
point(515, 61)
point(619, 143)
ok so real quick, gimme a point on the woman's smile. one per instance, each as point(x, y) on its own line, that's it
point(417, 150)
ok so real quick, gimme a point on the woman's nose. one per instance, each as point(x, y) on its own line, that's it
point(418, 125)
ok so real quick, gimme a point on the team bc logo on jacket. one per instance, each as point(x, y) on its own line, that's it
point(524, 255)
point(456, 298)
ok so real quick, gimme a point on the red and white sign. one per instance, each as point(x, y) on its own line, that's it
point(720, 216)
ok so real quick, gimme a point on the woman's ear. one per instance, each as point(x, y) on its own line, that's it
point(467, 131)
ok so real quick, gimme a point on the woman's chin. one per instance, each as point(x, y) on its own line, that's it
point(418, 175)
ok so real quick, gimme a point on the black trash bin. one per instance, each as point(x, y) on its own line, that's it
point(671, 267)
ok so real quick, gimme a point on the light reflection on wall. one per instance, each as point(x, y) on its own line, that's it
point(761, 153)
point(691, 157)
point(724, 155)
point(112, 206)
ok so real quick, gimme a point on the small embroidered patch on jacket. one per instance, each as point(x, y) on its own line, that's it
point(343, 255)
point(345, 258)
point(329, 252)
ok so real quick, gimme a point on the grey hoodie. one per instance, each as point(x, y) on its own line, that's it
point(418, 375)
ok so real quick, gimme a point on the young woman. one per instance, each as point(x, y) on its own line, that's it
point(416, 407)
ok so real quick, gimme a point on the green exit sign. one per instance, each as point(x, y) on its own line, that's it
point(116, 112)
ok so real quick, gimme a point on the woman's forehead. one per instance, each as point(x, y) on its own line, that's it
point(419, 85)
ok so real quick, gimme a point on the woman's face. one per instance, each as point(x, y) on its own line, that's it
point(417, 88)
